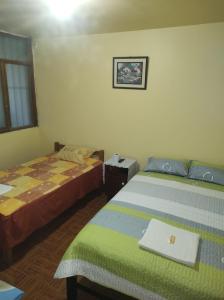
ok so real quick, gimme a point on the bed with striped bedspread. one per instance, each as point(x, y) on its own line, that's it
point(106, 251)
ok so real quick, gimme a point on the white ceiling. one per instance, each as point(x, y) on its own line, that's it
point(32, 17)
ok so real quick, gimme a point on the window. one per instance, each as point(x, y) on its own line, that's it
point(17, 96)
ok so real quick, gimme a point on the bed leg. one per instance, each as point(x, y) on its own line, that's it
point(7, 256)
point(71, 287)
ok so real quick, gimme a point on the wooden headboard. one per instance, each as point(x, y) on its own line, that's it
point(99, 153)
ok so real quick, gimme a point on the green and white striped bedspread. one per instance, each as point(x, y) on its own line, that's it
point(106, 250)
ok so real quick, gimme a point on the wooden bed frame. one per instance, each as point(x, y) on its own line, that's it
point(7, 255)
point(73, 284)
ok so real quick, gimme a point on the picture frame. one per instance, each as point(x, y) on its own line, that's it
point(130, 72)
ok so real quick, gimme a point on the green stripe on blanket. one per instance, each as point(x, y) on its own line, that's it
point(148, 270)
point(146, 216)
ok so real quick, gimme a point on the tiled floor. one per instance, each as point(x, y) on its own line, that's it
point(37, 258)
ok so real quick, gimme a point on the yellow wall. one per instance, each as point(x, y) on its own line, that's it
point(180, 115)
point(19, 146)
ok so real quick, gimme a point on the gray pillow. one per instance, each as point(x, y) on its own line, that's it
point(169, 166)
point(206, 172)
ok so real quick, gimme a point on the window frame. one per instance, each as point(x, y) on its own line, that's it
point(4, 85)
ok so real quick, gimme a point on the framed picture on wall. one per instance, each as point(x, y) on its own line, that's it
point(130, 72)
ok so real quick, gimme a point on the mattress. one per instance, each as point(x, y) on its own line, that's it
point(106, 251)
point(42, 189)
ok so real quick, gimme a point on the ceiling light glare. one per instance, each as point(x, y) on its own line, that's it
point(63, 9)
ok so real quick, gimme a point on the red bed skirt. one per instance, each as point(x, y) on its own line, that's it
point(17, 227)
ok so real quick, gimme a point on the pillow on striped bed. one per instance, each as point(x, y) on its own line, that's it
point(206, 172)
point(169, 166)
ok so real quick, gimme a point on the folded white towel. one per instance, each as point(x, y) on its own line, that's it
point(172, 242)
point(4, 188)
